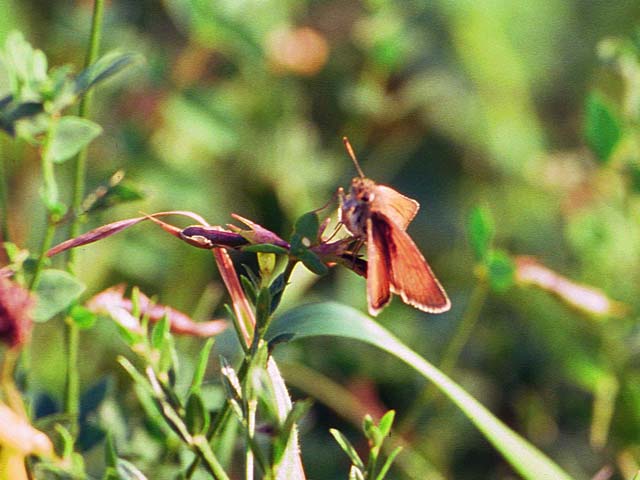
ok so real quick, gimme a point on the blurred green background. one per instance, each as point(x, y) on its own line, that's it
point(240, 107)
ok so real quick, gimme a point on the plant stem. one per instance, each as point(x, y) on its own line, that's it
point(46, 243)
point(4, 226)
point(72, 390)
point(451, 354)
point(210, 461)
point(50, 194)
point(252, 405)
point(83, 111)
point(72, 386)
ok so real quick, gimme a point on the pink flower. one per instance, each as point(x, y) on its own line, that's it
point(113, 302)
point(16, 304)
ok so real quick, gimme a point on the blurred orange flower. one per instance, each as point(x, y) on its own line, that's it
point(303, 50)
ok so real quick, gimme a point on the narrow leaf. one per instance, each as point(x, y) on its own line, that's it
point(106, 66)
point(332, 319)
point(110, 453)
point(501, 269)
point(197, 417)
point(128, 471)
point(347, 447)
point(481, 230)
point(95, 235)
point(298, 411)
point(387, 465)
point(160, 332)
point(201, 367)
point(386, 422)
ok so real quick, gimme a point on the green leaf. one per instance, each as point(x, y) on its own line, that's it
point(501, 270)
point(263, 308)
point(602, 128)
point(110, 453)
point(196, 416)
point(368, 426)
point(266, 264)
point(128, 471)
point(305, 234)
point(113, 195)
point(249, 288)
point(481, 231)
point(307, 227)
point(312, 261)
point(201, 368)
point(355, 473)
point(55, 292)
point(386, 422)
point(265, 248)
point(348, 448)
point(277, 289)
point(71, 135)
point(280, 443)
point(160, 332)
point(332, 319)
point(387, 465)
point(82, 317)
point(106, 66)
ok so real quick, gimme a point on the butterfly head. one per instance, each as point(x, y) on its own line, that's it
point(355, 207)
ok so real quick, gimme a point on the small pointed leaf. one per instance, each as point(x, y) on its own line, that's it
point(602, 127)
point(348, 448)
point(481, 230)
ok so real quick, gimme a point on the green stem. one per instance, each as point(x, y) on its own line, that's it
point(210, 461)
point(83, 111)
point(4, 226)
point(50, 194)
point(72, 390)
point(72, 386)
point(451, 354)
point(252, 405)
point(46, 243)
point(223, 416)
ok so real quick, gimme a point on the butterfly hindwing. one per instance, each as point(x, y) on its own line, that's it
point(378, 268)
point(410, 274)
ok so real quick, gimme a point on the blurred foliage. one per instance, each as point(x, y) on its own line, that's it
point(531, 110)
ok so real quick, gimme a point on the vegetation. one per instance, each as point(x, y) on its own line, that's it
point(515, 126)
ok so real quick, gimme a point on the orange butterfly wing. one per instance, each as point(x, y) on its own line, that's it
point(378, 268)
point(410, 274)
point(395, 206)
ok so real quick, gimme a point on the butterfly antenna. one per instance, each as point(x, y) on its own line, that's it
point(352, 154)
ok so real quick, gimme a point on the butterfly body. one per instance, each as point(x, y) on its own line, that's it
point(379, 215)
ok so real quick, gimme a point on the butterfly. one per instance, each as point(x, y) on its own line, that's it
point(379, 216)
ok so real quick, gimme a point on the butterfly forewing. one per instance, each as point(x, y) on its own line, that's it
point(378, 269)
point(410, 274)
point(395, 206)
